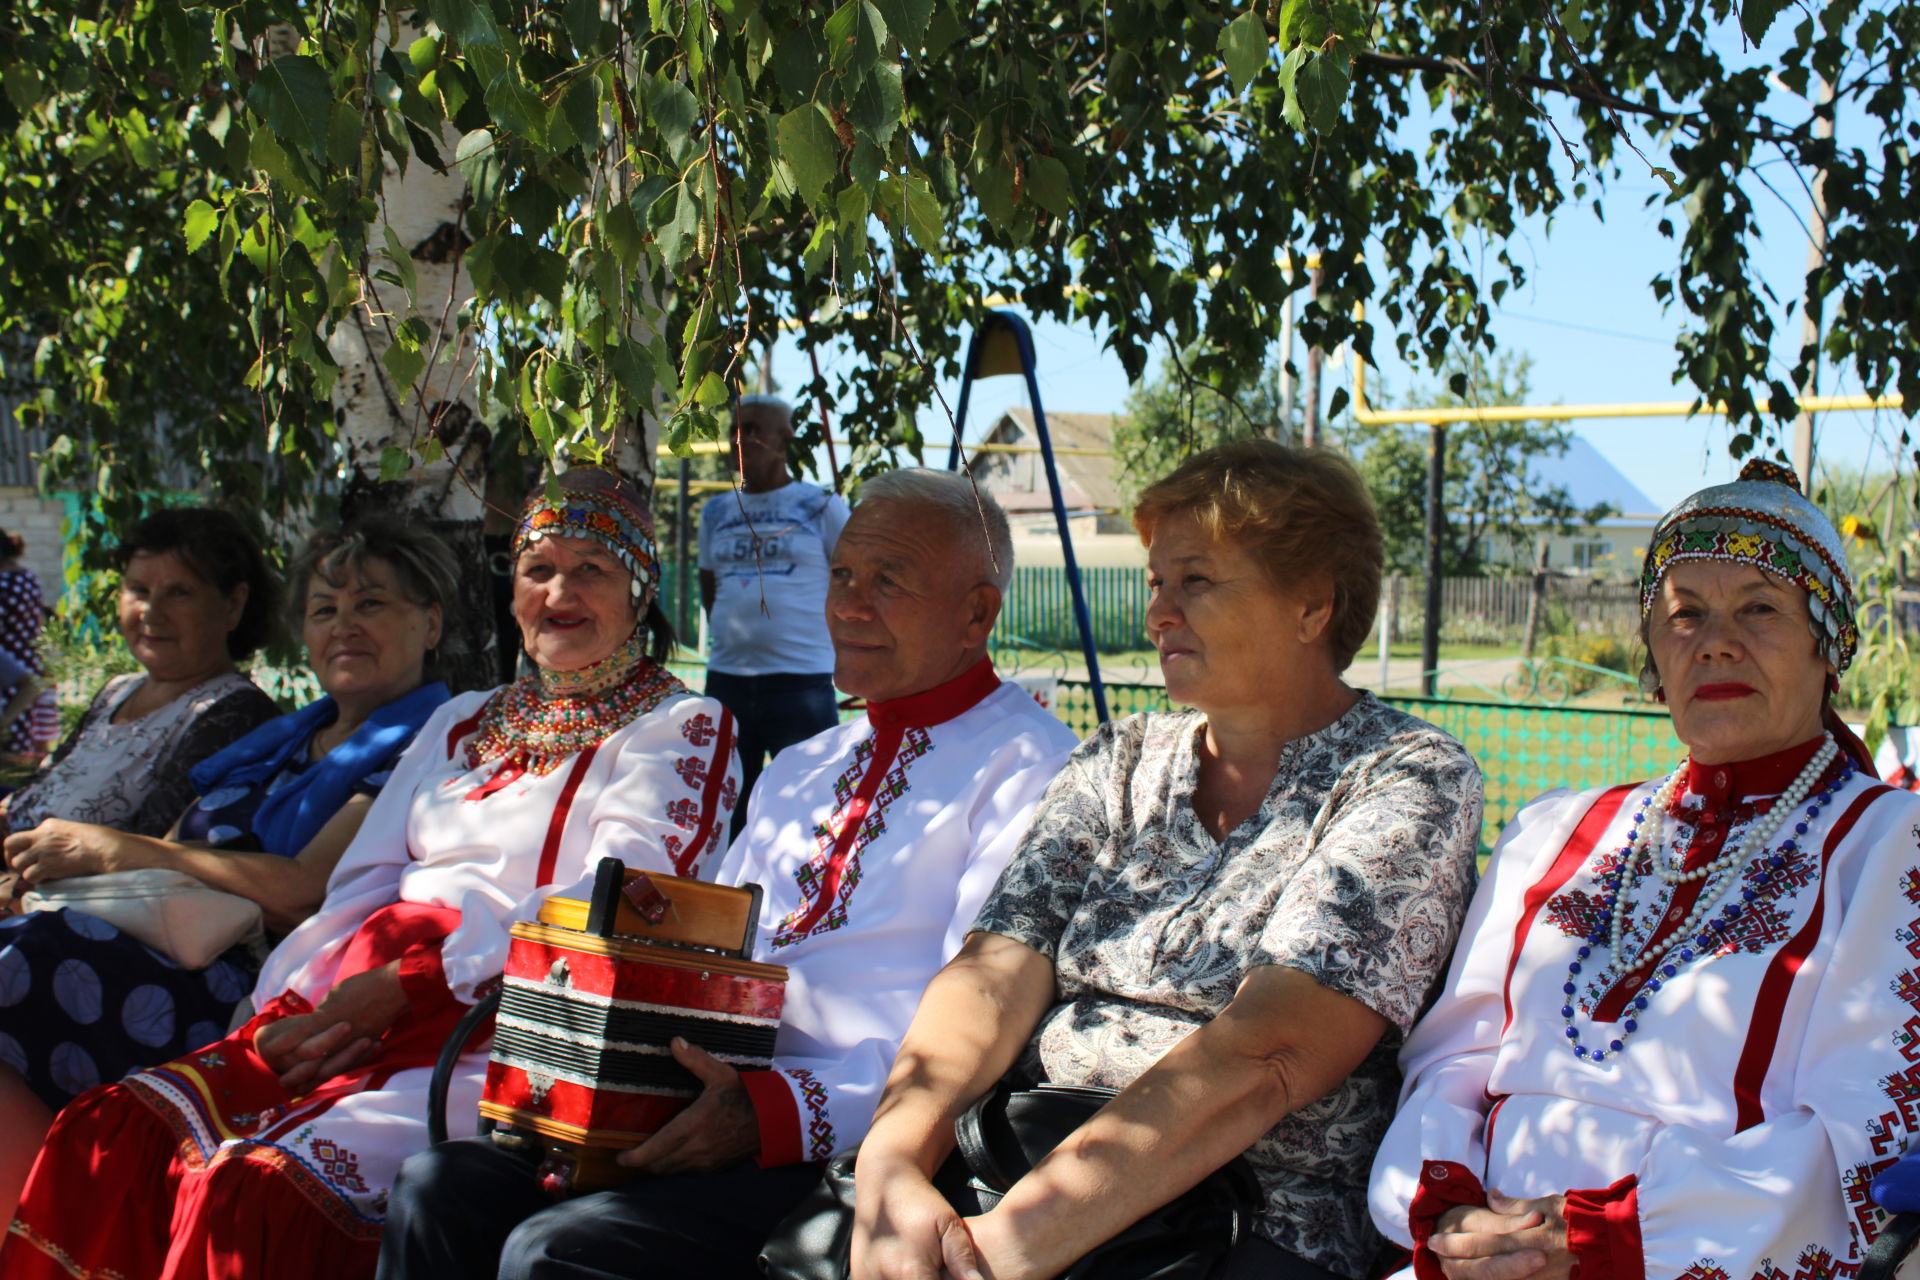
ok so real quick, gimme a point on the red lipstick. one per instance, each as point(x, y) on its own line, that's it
point(1722, 692)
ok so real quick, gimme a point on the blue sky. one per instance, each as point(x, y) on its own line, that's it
point(1587, 317)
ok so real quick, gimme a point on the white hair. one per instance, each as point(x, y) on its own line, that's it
point(762, 400)
point(967, 507)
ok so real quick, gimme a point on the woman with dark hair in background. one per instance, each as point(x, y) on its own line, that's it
point(195, 596)
point(23, 611)
point(82, 1002)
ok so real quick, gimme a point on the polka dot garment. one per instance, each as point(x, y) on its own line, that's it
point(22, 610)
point(82, 1003)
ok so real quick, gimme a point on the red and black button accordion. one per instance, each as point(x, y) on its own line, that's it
point(594, 994)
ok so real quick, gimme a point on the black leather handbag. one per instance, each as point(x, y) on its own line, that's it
point(997, 1140)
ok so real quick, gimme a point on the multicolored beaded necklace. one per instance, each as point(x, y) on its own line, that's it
point(1700, 935)
point(538, 721)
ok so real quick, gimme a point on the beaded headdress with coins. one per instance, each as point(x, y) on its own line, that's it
point(1763, 519)
point(600, 504)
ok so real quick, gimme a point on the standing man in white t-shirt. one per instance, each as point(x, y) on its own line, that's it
point(763, 582)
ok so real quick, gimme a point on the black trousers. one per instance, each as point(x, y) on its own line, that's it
point(468, 1210)
point(771, 713)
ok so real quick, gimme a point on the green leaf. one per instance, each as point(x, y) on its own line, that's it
point(23, 87)
point(199, 223)
point(1298, 21)
point(677, 236)
point(1315, 87)
point(926, 220)
point(810, 149)
point(629, 364)
point(880, 105)
point(403, 364)
point(851, 211)
point(712, 392)
point(1243, 44)
point(621, 232)
point(468, 22)
point(1757, 15)
point(674, 112)
point(855, 33)
point(343, 135)
point(565, 383)
point(907, 19)
point(583, 24)
point(516, 106)
point(394, 464)
point(402, 260)
point(1575, 22)
point(293, 94)
point(1049, 186)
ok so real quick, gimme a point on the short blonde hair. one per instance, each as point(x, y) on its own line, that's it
point(1303, 513)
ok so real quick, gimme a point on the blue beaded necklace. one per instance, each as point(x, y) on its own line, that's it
point(1703, 931)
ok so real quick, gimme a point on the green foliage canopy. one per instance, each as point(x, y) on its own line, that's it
point(189, 194)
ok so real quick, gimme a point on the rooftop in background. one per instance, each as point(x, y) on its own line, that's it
point(1590, 479)
point(1019, 480)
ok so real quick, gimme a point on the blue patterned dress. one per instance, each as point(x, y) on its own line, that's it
point(83, 1004)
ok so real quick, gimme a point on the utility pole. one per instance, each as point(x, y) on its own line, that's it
point(1310, 432)
point(1436, 532)
point(1284, 428)
point(1810, 304)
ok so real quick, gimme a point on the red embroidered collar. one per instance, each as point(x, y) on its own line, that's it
point(939, 704)
point(1722, 785)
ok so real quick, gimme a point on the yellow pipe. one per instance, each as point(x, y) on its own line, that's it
point(1572, 412)
point(721, 446)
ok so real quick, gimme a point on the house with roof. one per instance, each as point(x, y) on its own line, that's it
point(1610, 548)
point(1019, 480)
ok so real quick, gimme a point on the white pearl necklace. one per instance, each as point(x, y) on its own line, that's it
point(1648, 836)
point(1703, 931)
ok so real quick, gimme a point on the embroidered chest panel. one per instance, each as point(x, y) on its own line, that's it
point(834, 869)
point(1768, 888)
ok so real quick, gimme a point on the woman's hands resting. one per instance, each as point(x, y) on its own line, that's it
point(1510, 1239)
point(338, 1035)
point(58, 849)
point(903, 1229)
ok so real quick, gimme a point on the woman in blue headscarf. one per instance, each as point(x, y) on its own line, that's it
point(80, 1001)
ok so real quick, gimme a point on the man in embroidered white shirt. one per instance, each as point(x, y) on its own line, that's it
point(875, 843)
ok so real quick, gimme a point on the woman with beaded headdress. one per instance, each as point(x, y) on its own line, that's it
point(1678, 1036)
point(270, 1152)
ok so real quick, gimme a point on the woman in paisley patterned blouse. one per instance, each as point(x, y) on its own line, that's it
point(1231, 913)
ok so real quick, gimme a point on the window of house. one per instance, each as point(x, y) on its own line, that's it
point(1591, 554)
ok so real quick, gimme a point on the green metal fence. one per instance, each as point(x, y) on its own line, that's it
point(1038, 609)
point(1522, 750)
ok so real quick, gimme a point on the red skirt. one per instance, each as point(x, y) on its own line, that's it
point(159, 1177)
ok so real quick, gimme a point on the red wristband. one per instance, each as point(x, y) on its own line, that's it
point(1443, 1185)
point(1603, 1232)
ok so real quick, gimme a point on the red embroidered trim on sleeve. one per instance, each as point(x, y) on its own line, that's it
point(1603, 1232)
point(778, 1118)
point(1444, 1185)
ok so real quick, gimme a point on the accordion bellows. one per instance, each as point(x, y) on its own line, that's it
point(591, 1000)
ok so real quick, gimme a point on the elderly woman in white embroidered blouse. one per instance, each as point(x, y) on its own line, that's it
point(1232, 913)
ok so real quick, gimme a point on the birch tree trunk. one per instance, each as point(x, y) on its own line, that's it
point(420, 451)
